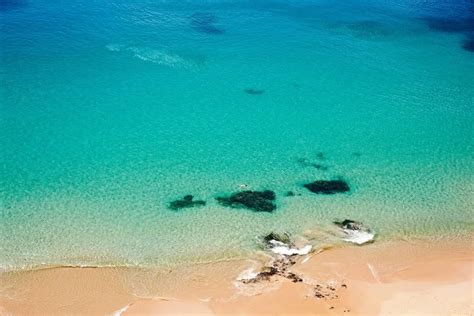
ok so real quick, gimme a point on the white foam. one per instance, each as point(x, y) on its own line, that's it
point(114, 47)
point(153, 55)
point(160, 57)
point(248, 274)
point(284, 249)
point(358, 237)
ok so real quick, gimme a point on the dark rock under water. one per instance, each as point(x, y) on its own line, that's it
point(205, 23)
point(258, 201)
point(186, 202)
point(254, 91)
point(468, 44)
point(328, 186)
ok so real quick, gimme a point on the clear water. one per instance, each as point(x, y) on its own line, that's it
point(112, 109)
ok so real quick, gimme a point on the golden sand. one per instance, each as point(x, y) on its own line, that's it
point(434, 278)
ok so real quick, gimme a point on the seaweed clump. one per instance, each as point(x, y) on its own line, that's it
point(186, 202)
point(258, 201)
point(328, 186)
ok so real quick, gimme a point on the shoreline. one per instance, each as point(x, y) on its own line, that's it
point(393, 277)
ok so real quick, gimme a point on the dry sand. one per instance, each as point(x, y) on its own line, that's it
point(422, 278)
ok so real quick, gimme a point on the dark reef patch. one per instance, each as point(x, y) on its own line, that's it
point(319, 166)
point(254, 91)
point(328, 186)
point(258, 201)
point(450, 25)
point(468, 44)
point(186, 202)
point(306, 163)
point(205, 23)
point(464, 25)
point(368, 29)
point(7, 5)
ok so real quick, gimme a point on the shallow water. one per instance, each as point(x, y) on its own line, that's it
point(109, 111)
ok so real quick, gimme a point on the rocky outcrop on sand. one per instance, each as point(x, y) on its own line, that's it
point(355, 232)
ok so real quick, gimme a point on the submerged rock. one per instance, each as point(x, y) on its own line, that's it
point(328, 186)
point(306, 163)
point(319, 166)
point(258, 201)
point(205, 23)
point(254, 91)
point(186, 202)
point(468, 45)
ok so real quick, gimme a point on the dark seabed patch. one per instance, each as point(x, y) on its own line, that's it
point(7, 5)
point(320, 155)
point(450, 25)
point(254, 91)
point(306, 163)
point(468, 44)
point(258, 201)
point(186, 202)
point(463, 26)
point(205, 23)
point(328, 186)
point(370, 30)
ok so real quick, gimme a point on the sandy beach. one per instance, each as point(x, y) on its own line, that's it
point(387, 278)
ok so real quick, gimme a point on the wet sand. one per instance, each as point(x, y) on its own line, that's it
point(386, 278)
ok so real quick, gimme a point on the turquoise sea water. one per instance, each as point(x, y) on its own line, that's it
point(112, 109)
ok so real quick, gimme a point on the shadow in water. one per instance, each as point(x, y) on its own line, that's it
point(205, 23)
point(8, 5)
